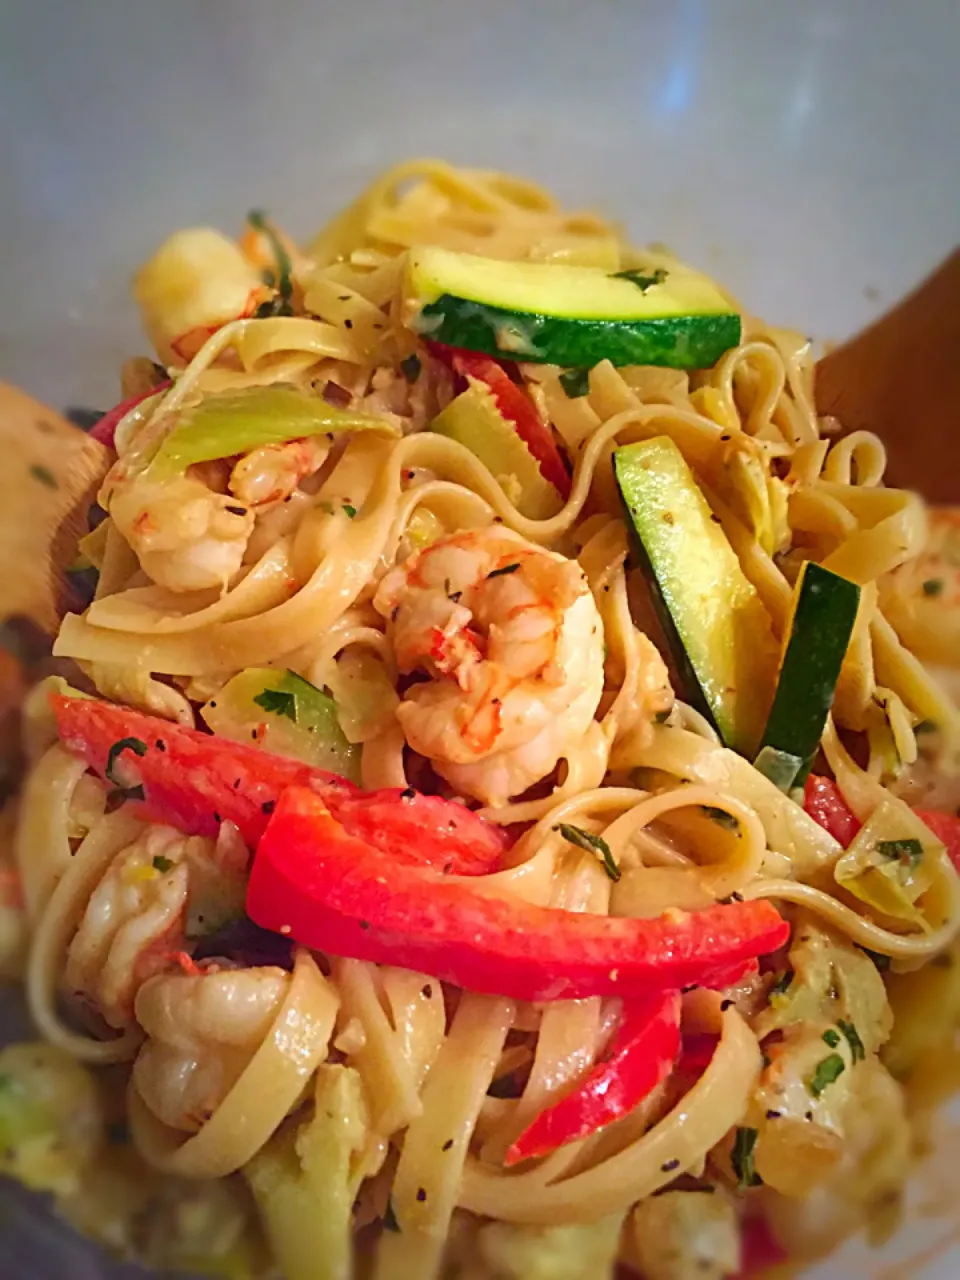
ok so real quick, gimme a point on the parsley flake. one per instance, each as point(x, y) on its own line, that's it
point(782, 984)
point(741, 1158)
point(644, 280)
point(720, 817)
point(348, 510)
point(592, 844)
point(933, 586)
point(829, 1070)
point(280, 306)
point(162, 864)
point(575, 382)
point(857, 1049)
point(136, 745)
point(831, 1037)
point(909, 851)
point(278, 702)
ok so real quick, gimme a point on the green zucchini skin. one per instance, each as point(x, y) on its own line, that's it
point(713, 620)
point(824, 614)
point(677, 342)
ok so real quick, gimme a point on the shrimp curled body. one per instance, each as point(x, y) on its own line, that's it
point(512, 642)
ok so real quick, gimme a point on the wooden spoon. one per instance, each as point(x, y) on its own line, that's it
point(50, 474)
point(901, 379)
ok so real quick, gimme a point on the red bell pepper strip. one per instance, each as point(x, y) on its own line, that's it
point(329, 891)
point(513, 405)
point(946, 827)
point(758, 1249)
point(641, 1055)
point(824, 803)
point(105, 429)
point(826, 806)
point(193, 781)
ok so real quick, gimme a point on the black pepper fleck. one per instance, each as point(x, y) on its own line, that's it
point(421, 1194)
point(364, 924)
point(427, 991)
point(773, 1115)
point(670, 1166)
point(160, 745)
point(348, 324)
point(447, 1145)
point(268, 806)
point(725, 1005)
point(407, 794)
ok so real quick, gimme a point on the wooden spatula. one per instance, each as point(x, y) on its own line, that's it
point(50, 472)
point(901, 379)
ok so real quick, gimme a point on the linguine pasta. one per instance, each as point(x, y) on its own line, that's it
point(326, 1115)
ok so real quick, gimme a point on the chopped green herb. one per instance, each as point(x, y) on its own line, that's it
point(44, 475)
point(136, 745)
point(829, 1070)
point(741, 1158)
point(410, 368)
point(390, 1222)
point(782, 984)
point(278, 703)
point(857, 1051)
point(933, 587)
point(575, 382)
point(642, 279)
point(593, 844)
point(349, 510)
point(258, 220)
point(831, 1037)
point(721, 817)
point(909, 851)
point(499, 573)
point(162, 864)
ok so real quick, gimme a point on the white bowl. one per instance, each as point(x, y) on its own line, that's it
point(804, 153)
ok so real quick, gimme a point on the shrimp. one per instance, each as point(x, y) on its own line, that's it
point(138, 917)
point(268, 476)
point(512, 642)
point(186, 534)
point(202, 1030)
point(186, 537)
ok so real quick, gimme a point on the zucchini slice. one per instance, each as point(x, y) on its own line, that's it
point(823, 614)
point(569, 316)
point(716, 625)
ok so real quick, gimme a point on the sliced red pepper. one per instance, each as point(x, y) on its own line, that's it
point(515, 406)
point(105, 429)
point(826, 806)
point(329, 891)
point(759, 1250)
point(824, 803)
point(946, 827)
point(194, 781)
point(642, 1054)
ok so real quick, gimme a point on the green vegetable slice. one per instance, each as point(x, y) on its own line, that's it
point(822, 620)
point(283, 713)
point(718, 631)
point(234, 422)
point(566, 315)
